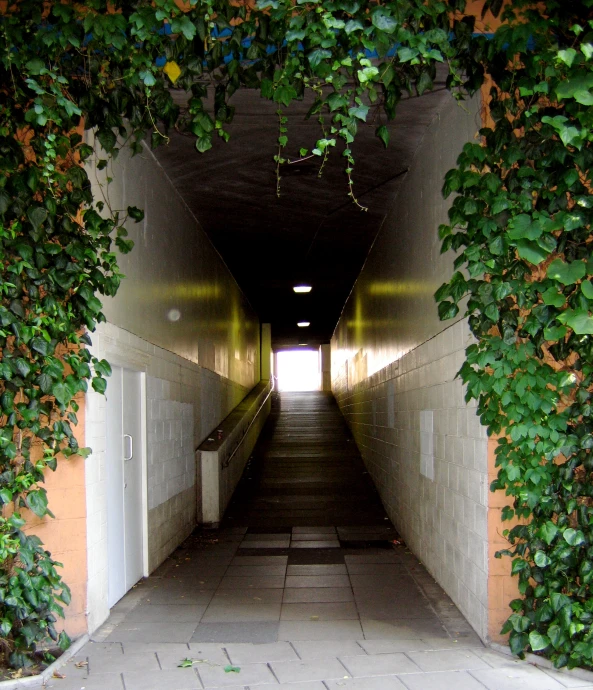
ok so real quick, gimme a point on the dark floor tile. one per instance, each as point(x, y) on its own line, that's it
point(256, 633)
point(315, 556)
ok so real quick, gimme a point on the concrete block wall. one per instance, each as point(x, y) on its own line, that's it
point(176, 423)
point(432, 478)
point(393, 373)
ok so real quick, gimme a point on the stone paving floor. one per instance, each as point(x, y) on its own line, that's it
point(298, 590)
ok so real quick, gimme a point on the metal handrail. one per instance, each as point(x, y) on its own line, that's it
point(227, 462)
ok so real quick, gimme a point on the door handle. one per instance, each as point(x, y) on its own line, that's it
point(131, 440)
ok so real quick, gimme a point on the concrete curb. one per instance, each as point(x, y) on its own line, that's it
point(580, 673)
point(47, 673)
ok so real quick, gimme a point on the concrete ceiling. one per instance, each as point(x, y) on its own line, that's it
point(312, 233)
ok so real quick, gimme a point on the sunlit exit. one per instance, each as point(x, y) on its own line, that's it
point(298, 370)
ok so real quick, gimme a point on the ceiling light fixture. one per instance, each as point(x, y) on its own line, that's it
point(303, 324)
point(302, 288)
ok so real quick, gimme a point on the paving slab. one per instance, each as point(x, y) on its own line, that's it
point(391, 646)
point(317, 569)
point(345, 610)
point(447, 660)
point(448, 680)
point(317, 581)
point(139, 661)
point(312, 669)
point(249, 653)
point(317, 594)
point(377, 683)
point(100, 681)
point(256, 571)
point(200, 653)
point(248, 674)
point(523, 678)
point(319, 649)
point(176, 679)
point(259, 582)
point(239, 613)
point(320, 630)
point(379, 665)
point(410, 628)
point(236, 632)
point(259, 560)
point(247, 596)
point(146, 632)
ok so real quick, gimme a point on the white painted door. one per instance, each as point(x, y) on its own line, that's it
point(124, 482)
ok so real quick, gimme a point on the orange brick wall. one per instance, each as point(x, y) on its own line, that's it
point(65, 536)
point(502, 586)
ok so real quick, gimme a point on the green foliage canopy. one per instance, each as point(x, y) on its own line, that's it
point(521, 224)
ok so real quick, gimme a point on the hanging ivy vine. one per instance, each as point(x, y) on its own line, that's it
point(520, 218)
point(521, 221)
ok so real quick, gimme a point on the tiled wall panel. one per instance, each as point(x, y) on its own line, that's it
point(393, 373)
point(180, 318)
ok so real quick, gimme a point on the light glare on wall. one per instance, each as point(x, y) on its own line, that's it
point(302, 288)
point(303, 324)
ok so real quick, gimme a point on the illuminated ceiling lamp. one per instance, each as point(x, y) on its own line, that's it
point(303, 324)
point(302, 288)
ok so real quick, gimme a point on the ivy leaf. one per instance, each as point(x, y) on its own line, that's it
point(37, 216)
point(40, 345)
point(353, 25)
point(135, 213)
point(61, 393)
point(573, 537)
point(553, 298)
point(538, 641)
point(587, 289)
point(531, 251)
point(447, 310)
point(541, 559)
point(383, 133)
point(316, 56)
point(566, 273)
point(204, 143)
point(522, 227)
point(384, 21)
point(45, 381)
point(107, 139)
point(577, 319)
point(555, 333)
point(37, 502)
point(99, 384)
point(548, 531)
point(359, 112)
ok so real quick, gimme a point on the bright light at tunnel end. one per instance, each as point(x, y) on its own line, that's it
point(302, 288)
point(303, 324)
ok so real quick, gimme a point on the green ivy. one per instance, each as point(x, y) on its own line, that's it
point(521, 224)
point(111, 67)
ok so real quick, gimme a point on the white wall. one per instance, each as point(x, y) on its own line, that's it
point(393, 374)
point(180, 318)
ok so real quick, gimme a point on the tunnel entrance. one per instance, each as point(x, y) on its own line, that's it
point(298, 370)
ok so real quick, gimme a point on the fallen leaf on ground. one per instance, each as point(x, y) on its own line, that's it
point(232, 669)
point(81, 664)
point(57, 674)
point(187, 662)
